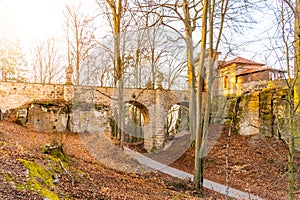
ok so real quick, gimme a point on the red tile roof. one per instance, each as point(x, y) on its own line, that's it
point(240, 60)
point(253, 70)
point(258, 69)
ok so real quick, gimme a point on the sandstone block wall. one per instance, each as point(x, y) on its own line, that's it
point(261, 112)
point(274, 110)
point(248, 113)
point(259, 109)
point(85, 115)
point(47, 120)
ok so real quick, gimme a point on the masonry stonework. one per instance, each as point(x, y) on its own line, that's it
point(259, 110)
point(91, 107)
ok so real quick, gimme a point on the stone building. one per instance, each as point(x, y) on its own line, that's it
point(243, 84)
point(239, 75)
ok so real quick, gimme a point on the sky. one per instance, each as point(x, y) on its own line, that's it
point(30, 20)
point(34, 19)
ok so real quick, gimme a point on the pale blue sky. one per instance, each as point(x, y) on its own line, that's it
point(32, 19)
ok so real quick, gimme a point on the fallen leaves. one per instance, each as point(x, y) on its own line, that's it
point(257, 165)
point(83, 178)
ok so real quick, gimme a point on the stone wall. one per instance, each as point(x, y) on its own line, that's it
point(55, 116)
point(222, 109)
point(248, 122)
point(51, 119)
point(274, 111)
point(258, 109)
point(13, 95)
point(261, 108)
point(260, 112)
point(90, 107)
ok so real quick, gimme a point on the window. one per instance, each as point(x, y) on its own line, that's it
point(226, 82)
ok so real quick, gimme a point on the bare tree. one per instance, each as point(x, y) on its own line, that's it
point(98, 68)
point(12, 61)
point(175, 76)
point(199, 161)
point(79, 28)
point(116, 7)
point(206, 72)
point(286, 39)
point(47, 62)
point(288, 22)
point(187, 12)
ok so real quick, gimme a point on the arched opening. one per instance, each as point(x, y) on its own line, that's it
point(177, 121)
point(136, 116)
point(139, 109)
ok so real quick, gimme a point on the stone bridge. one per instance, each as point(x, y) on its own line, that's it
point(92, 106)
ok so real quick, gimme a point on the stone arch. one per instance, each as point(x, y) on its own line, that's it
point(184, 104)
point(135, 118)
point(177, 119)
point(176, 97)
point(144, 110)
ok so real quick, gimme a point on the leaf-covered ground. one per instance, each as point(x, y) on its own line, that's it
point(257, 165)
point(27, 173)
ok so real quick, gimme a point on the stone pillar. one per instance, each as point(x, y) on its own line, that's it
point(69, 74)
point(159, 80)
point(149, 130)
point(160, 119)
point(154, 132)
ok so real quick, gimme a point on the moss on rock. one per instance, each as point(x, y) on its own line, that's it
point(7, 177)
point(56, 152)
point(40, 179)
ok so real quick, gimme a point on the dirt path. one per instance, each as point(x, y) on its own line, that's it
point(233, 193)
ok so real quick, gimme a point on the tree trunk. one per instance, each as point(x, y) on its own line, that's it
point(291, 155)
point(297, 73)
point(198, 173)
point(235, 107)
point(116, 8)
point(191, 68)
point(294, 103)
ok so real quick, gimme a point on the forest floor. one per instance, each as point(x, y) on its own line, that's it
point(27, 173)
point(257, 165)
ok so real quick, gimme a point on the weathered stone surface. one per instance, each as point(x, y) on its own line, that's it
point(86, 116)
point(261, 111)
point(249, 114)
point(266, 106)
point(48, 119)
